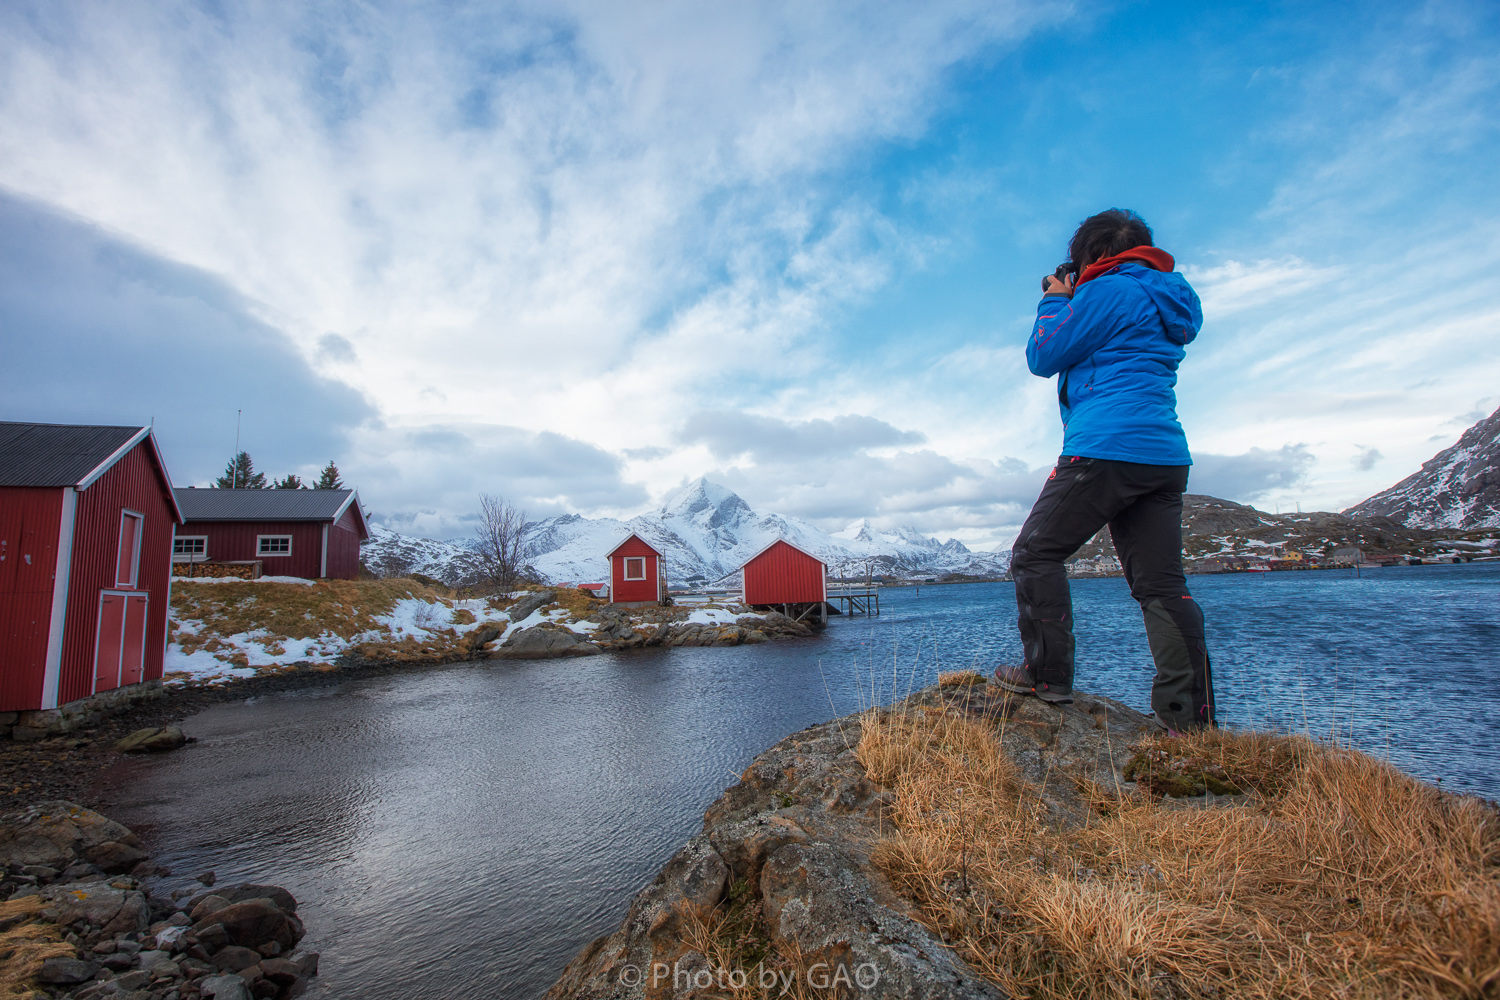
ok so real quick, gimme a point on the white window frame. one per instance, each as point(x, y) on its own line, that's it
point(135, 557)
point(201, 555)
point(635, 559)
point(260, 547)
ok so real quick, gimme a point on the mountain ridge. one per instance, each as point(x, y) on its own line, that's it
point(705, 531)
point(1459, 487)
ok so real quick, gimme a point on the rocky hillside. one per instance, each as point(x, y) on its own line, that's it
point(1458, 487)
point(1212, 527)
point(706, 532)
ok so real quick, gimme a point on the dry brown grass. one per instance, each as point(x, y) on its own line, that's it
point(744, 963)
point(25, 944)
point(1340, 877)
point(344, 607)
point(960, 678)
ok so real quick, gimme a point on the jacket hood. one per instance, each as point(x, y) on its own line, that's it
point(1150, 256)
point(1176, 302)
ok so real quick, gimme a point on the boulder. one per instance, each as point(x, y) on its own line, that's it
point(543, 644)
point(529, 604)
point(256, 921)
point(152, 740)
point(115, 858)
point(56, 834)
point(284, 900)
point(116, 911)
point(66, 971)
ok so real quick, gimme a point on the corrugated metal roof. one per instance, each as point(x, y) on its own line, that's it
point(261, 505)
point(56, 454)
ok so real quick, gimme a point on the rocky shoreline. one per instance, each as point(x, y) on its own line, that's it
point(783, 863)
point(78, 919)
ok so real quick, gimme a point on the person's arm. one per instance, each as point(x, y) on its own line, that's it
point(1069, 330)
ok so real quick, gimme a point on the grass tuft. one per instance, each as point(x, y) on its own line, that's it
point(1334, 876)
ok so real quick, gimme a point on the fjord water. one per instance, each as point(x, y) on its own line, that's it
point(462, 831)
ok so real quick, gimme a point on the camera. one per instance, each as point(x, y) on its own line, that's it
point(1061, 274)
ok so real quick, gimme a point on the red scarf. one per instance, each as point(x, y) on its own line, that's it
point(1150, 256)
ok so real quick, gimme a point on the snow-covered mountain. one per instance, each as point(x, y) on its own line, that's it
point(1458, 487)
point(706, 533)
point(389, 553)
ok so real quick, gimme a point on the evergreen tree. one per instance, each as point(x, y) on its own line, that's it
point(240, 474)
point(329, 480)
point(291, 482)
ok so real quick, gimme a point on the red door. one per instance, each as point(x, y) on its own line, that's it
point(133, 653)
point(111, 641)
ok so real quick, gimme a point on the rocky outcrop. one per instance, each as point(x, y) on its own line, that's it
point(784, 860)
point(544, 642)
point(79, 932)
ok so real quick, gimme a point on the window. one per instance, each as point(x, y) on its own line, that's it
point(273, 545)
point(635, 568)
point(190, 548)
point(128, 561)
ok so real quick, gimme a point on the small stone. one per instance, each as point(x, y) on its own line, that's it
point(208, 905)
point(208, 878)
point(152, 740)
point(165, 970)
point(125, 944)
point(224, 988)
point(118, 961)
point(307, 965)
point(147, 959)
point(264, 989)
point(251, 974)
point(280, 971)
point(133, 980)
point(256, 921)
point(180, 919)
point(43, 872)
point(233, 958)
point(212, 937)
point(269, 949)
point(104, 947)
point(66, 971)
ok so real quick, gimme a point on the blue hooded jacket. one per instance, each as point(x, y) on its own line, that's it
point(1117, 344)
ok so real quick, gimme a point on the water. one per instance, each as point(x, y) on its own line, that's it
point(461, 832)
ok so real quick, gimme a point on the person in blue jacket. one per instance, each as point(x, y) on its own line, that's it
point(1114, 337)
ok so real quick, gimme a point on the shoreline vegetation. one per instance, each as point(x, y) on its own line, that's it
point(225, 629)
point(968, 843)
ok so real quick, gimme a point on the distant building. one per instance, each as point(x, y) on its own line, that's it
point(313, 534)
point(86, 519)
point(635, 572)
point(1348, 557)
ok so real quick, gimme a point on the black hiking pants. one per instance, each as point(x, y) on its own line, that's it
point(1142, 504)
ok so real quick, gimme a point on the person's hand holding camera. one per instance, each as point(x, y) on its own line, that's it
point(1051, 285)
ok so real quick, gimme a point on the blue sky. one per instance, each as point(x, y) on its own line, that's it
point(579, 253)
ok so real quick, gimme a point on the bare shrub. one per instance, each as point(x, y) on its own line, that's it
point(502, 542)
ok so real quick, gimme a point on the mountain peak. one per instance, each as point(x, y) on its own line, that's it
point(701, 495)
point(1459, 487)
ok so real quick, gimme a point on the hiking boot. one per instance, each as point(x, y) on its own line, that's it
point(1022, 681)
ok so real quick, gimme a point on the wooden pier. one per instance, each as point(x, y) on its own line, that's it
point(856, 602)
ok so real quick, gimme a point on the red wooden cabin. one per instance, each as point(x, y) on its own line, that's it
point(635, 575)
point(308, 533)
point(86, 519)
point(784, 575)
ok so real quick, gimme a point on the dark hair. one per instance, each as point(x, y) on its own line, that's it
point(1107, 234)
